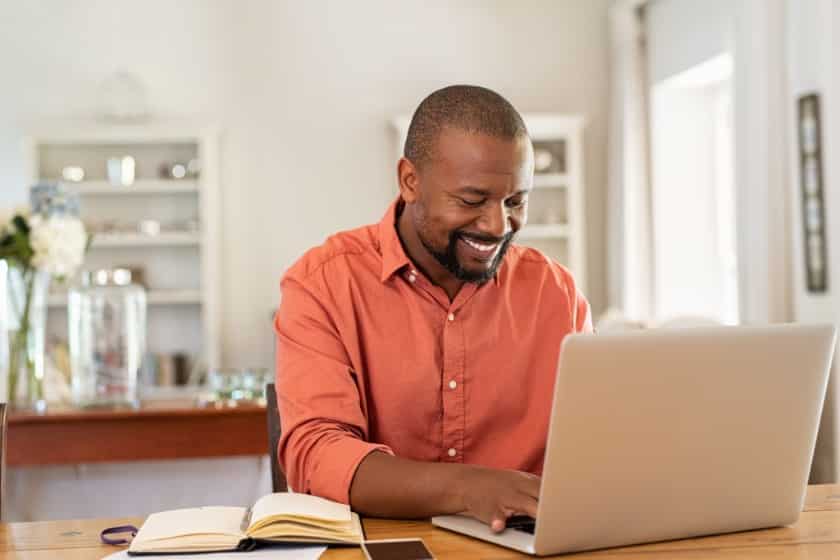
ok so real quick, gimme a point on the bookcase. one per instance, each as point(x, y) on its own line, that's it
point(556, 206)
point(163, 227)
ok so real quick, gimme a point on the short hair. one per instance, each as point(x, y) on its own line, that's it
point(468, 108)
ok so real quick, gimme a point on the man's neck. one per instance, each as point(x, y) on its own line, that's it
point(423, 259)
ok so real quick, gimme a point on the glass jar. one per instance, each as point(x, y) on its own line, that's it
point(107, 333)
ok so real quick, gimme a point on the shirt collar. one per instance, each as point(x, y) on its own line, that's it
point(393, 254)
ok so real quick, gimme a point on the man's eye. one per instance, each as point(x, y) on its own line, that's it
point(516, 203)
point(471, 203)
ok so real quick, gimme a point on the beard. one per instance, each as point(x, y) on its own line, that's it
point(449, 257)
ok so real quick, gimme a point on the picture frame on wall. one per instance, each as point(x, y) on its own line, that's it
point(811, 188)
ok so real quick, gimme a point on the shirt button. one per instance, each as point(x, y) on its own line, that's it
point(452, 452)
point(451, 317)
point(412, 278)
point(453, 384)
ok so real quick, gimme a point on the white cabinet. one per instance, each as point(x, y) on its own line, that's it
point(556, 207)
point(166, 227)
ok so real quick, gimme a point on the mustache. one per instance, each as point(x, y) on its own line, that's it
point(483, 239)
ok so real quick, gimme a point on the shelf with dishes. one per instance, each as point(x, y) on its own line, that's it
point(153, 297)
point(148, 195)
point(164, 239)
point(139, 187)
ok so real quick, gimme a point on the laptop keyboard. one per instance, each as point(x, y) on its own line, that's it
point(522, 523)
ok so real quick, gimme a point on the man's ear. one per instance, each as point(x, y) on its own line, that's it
point(409, 180)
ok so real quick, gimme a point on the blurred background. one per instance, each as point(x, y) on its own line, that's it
point(302, 95)
point(686, 172)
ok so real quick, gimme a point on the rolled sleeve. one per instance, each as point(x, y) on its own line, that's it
point(320, 397)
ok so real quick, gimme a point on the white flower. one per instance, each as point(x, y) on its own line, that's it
point(58, 244)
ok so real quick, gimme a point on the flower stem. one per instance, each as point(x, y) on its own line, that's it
point(19, 344)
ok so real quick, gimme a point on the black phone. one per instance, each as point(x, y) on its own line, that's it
point(397, 549)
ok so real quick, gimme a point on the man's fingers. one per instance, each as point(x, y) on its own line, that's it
point(497, 521)
point(524, 505)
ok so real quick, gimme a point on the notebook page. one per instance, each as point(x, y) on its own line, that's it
point(307, 552)
point(191, 521)
point(299, 505)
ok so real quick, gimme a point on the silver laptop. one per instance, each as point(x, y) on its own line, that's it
point(675, 433)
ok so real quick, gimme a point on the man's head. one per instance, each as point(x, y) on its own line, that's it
point(465, 177)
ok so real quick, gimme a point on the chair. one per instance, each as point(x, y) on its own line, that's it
point(2, 456)
point(278, 479)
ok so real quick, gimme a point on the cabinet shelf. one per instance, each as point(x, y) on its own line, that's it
point(182, 261)
point(153, 297)
point(110, 240)
point(140, 187)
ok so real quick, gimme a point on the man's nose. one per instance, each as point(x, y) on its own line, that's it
point(496, 221)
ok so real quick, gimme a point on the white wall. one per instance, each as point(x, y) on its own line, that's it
point(303, 92)
point(685, 33)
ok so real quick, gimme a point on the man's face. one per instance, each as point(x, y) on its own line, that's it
point(471, 199)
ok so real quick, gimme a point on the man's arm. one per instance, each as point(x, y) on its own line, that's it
point(388, 486)
point(322, 407)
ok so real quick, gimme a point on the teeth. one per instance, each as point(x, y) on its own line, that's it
point(479, 246)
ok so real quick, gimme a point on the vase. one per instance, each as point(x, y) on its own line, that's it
point(107, 335)
point(4, 333)
point(26, 319)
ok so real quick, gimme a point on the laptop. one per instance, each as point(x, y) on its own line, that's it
point(674, 433)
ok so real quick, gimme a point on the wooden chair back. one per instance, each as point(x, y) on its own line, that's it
point(278, 479)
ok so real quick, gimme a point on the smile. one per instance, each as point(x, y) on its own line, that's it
point(480, 246)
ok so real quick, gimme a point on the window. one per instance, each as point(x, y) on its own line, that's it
point(693, 194)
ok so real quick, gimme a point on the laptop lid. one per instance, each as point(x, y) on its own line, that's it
point(676, 433)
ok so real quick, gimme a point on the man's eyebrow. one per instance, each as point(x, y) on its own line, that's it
point(478, 191)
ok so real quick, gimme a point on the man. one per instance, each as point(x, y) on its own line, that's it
point(417, 356)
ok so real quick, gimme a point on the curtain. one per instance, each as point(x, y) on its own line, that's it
point(629, 222)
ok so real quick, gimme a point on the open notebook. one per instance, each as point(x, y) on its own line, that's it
point(282, 517)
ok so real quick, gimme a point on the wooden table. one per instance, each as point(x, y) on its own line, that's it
point(816, 537)
point(157, 430)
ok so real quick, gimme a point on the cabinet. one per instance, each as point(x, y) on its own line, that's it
point(165, 228)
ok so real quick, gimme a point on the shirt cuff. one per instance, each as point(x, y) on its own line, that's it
point(338, 465)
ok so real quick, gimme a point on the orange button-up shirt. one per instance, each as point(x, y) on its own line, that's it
point(372, 356)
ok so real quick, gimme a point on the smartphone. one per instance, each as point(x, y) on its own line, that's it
point(397, 549)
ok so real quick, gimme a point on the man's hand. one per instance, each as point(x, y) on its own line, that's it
point(492, 495)
point(387, 486)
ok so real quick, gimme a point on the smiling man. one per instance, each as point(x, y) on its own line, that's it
point(417, 356)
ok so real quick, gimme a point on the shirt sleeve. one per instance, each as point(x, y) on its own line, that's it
point(324, 427)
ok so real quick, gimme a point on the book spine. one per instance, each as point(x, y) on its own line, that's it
point(246, 545)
